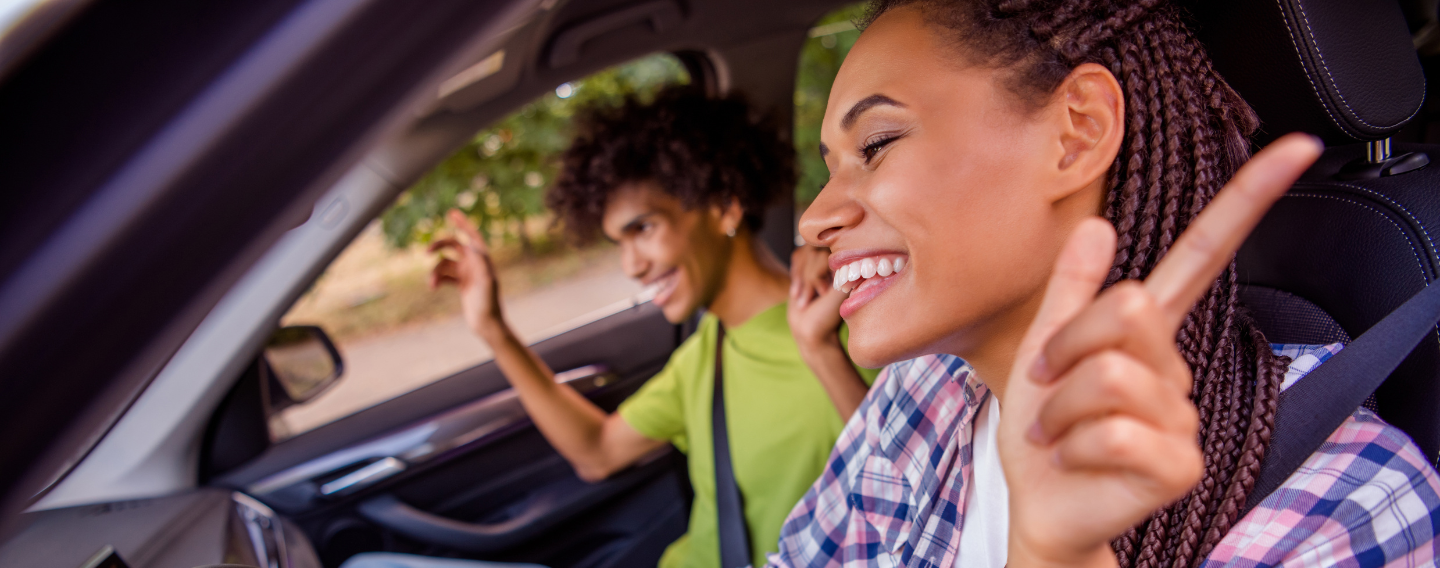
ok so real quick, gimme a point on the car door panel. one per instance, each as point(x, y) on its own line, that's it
point(476, 478)
point(194, 528)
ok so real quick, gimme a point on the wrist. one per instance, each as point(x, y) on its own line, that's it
point(823, 345)
point(492, 329)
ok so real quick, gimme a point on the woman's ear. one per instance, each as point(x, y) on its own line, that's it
point(1091, 127)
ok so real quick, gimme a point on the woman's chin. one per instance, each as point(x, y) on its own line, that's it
point(872, 347)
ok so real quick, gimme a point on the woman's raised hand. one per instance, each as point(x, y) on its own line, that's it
point(472, 272)
point(814, 308)
point(1097, 430)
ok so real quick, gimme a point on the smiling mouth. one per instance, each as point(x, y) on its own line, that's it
point(865, 278)
point(857, 273)
point(663, 287)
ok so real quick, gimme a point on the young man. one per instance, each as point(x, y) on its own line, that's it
point(681, 185)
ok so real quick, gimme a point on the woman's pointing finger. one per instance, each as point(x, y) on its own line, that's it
point(1205, 248)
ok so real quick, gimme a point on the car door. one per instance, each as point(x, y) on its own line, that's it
point(402, 454)
point(191, 142)
point(477, 479)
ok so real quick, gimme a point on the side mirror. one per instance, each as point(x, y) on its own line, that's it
point(303, 363)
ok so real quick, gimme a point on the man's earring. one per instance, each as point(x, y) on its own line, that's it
point(730, 232)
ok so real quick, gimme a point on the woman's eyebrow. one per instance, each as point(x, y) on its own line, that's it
point(866, 104)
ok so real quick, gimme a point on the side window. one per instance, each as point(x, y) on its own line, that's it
point(394, 333)
point(830, 40)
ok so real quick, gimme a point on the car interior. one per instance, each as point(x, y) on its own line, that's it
point(180, 173)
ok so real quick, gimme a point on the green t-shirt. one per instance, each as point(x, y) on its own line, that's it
point(782, 426)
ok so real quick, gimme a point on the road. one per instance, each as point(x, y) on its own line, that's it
point(381, 367)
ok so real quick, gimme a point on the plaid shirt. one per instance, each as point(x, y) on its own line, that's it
point(895, 489)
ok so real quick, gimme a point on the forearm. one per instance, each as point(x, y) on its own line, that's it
point(837, 375)
point(570, 422)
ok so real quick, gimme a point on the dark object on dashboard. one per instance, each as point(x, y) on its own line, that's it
point(106, 558)
point(189, 529)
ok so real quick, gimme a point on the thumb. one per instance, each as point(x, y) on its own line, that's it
point(1079, 272)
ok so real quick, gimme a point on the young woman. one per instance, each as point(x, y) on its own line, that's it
point(681, 185)
point(1050, 175)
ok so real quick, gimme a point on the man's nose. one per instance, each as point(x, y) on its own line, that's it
point(631, 261)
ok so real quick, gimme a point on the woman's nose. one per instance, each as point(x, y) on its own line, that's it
point(830, 215)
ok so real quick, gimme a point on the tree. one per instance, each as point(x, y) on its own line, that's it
point(499, 177)
point(830, 41)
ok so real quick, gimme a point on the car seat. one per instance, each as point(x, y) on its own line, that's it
point(1355, 237)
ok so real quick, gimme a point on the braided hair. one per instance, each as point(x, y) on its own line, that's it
point(1186, 132)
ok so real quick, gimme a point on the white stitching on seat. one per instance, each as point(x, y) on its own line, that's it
point(1403, 210)
point(1418, 263)
point(1397, 226)
point(1293, 43)
point(1300, 5)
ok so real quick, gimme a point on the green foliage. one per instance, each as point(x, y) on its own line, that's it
point(830, 40)
point(499, 177)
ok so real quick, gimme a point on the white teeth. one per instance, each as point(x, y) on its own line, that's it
point(867, 268)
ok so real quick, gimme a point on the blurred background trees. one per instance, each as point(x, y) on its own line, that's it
point(830, 40)
point(499, 178)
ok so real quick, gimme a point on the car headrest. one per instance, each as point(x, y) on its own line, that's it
point(1345, 70)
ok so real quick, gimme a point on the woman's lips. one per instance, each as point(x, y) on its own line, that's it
point(864, 276)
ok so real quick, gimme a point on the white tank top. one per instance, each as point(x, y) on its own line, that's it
point(985, 533)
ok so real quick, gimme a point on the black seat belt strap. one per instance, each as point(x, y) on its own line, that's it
point(1313, 408)
point(734, 537)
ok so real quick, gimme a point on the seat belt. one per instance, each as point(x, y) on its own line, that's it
point(734, 537)
point(1313, 408)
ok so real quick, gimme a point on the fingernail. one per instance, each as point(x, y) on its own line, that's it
point(1055, 458)
point(1039, 371)
point(1035, 433)
point(1318, 141)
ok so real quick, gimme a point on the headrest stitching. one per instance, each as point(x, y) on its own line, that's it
point(1408, 241)
point(1294, 42)
point(1300, 5)
point(1430, 250)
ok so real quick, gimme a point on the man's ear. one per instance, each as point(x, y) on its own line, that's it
point(729, 217)
point(1091, 127)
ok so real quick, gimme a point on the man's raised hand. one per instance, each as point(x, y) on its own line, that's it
point(1097, 430)
point(472, 272)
